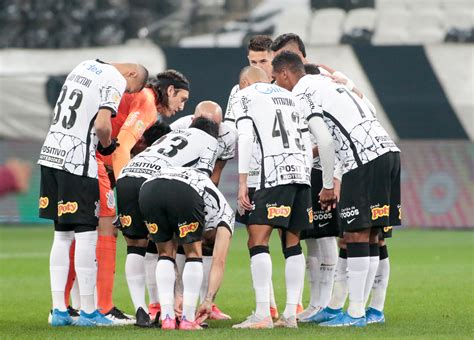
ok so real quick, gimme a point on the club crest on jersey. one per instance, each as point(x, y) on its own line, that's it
point(125, 220)
point(67, 208)
point(43, 202)
point(281, 211)
point(378, 212)
point(188, 228)
point(110, 199)
point(140, 127)
point(152, 227)
point(310, 215)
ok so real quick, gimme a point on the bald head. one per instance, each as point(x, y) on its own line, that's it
point(136, 75)
point(210, 110)
point(251, 75)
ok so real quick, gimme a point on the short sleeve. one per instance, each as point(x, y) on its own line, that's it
point(111, 93)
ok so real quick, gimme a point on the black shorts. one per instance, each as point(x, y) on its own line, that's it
point(284, 206)
point(325, 224)
point(385, 232)
point(172, 208)
point(131, 219)
point(67, 198)
point(370, 195)
point(244, 219)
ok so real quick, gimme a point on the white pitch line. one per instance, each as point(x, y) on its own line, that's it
point(6, 256)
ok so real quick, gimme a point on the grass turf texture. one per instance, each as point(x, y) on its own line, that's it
point(431, 291)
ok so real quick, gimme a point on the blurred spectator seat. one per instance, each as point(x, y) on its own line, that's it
point(319, 4)
point(354, 4)
point(383, 5)
point(295, 20)
point(426, 26)
point(359, 26)
point(326, 26)
point(392, 27)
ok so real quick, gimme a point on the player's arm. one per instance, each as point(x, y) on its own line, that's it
point(216, 173)
point(229, 117)
point(103, 127)
point(219, 257)
point(245, 131)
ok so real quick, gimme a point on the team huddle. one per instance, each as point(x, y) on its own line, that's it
point(313, 161)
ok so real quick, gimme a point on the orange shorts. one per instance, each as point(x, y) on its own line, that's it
point(107, 196)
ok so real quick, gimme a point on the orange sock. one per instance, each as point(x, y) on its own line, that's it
point(105, 252)
point(72, 274)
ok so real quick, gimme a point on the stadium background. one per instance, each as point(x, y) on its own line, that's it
point(413, 59)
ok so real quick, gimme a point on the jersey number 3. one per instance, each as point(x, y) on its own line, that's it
point(76, 98)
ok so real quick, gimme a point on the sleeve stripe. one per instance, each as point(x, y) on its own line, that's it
point(314, 115)
point(305, 130)
point(229, 119)
point(244, 117)
point(225, 225)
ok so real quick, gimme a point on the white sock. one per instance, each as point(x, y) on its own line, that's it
point(75, 296)
point(340, 291)
point(165, 279)
point(135, 275)
point(294, 274)
point(86, 268)
point(357, 270)
point(59, 267)
point(272, 296)
point(373, 266)
point(312, 265)
point(206, 267)
point(379, 289)
point(261, 267)
point(151, 260)
point(192, 281)
point(328, 250)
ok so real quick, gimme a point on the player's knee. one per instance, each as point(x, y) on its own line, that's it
point(136, 250)
point(255, 250)
point(136, 242)
point(357, 236)
point(292, 251)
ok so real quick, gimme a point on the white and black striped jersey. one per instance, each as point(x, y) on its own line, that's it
point(226, 140)
point(358, 135)
point(217, 210)
point(71, 142)
point(187, 148)
point(278, 127)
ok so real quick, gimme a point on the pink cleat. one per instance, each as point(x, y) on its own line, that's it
point(154, 309)
point(168, 323)
point(217, 314)
point(186, 325)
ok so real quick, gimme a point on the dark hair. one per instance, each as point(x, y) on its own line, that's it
point(311, 69)
point(288, 60)
point(260, 43)
point(206, 125)
point(284, 39)
point(163, 80)
point(156, 131)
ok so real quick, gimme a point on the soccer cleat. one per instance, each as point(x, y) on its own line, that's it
point(307, 313)
point(299, 309)
point(168, 323)
point(274, 313)
point(373, 315)
point(255, 322)
point(59, 318)
point(74, 313)
point(119, 318)
point(286, 322)
point(154, 309)
point(93, 319)
point(345, 320)
point(186, 325)
point(217, 314)
point(325, 315)
point(142, 318)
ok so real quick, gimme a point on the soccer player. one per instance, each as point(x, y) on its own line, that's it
point(69, 193)
point(195, 147)
point(191, 206)
point(259, 55)
point(226, 150)
point(164, 95)
point(370, 188)
point(282, 198)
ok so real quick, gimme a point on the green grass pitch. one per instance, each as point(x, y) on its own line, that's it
point(431, 291)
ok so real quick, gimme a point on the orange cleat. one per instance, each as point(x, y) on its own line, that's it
point(274, 312)
point(217, 314)
point(168, 323)
point(186, 325)
point(299, 309)
point(154, 309)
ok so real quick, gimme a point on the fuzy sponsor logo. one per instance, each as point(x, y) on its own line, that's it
point(281, 211)
point(378, 212)
point(188, 228)
point(310, 215)
point(125, 220)
point(43, 202)
point(152, 227)
point(67, 208)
